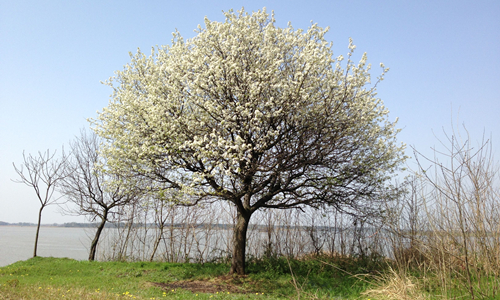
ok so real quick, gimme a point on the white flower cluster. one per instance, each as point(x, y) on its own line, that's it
point(237, 95)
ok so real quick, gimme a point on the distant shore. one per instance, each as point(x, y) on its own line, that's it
point(259, 227)
point(116, 225)
point(72, 224)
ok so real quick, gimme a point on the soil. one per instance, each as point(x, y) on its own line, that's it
point(226, 283)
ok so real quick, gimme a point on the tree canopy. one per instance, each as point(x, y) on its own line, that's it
point(255, 115)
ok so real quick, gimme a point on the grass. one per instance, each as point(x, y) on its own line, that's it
point(273, 278)
point(396, 285)
point(324, 277)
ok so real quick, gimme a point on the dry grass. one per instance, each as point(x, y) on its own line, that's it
point(394, 285)
point(225, 284)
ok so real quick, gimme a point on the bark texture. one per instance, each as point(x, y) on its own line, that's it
point(239, 243)
point(95, 241)
point(38, 230)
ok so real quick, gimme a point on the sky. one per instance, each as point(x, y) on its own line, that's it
point(443, 57)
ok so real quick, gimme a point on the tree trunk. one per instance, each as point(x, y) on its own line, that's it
point(93, 246)
point(239, 243)
point(38, 229)
point(157, 242)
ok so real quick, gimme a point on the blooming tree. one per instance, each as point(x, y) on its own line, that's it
point(255, 115)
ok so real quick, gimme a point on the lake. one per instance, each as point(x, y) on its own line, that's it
point(178, 244)
point(17, 242)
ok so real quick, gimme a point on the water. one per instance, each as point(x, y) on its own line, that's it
point(17, 242)
point(177, 244)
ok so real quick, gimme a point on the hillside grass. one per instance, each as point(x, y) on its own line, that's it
point(271, 278)
point(323, 277)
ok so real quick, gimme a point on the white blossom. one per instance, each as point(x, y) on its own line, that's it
point(247, 98)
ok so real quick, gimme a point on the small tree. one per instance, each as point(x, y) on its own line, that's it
point(461, 204)
point(87, 184)
point(255, 115)
point(42, 173)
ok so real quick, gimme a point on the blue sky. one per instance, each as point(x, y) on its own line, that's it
point(443, 55)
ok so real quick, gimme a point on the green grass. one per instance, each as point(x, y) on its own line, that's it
point(60, 278)
point(271, 278)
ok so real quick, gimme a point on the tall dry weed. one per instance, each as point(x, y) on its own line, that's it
point(396, 285)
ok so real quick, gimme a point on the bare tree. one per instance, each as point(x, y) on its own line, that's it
point(88, 185)
point(463, 213)
point(42, 173)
